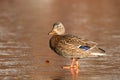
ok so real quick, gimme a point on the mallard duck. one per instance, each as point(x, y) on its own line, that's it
point(71, 46)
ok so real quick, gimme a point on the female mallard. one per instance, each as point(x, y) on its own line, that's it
point(72, 46)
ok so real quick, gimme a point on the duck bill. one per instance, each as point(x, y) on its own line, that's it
point(51, 33)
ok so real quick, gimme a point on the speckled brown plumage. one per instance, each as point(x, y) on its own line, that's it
point(68, 46)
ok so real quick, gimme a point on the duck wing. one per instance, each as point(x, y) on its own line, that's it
point(73, 46)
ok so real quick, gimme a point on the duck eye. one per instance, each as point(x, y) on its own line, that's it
point(58, 27)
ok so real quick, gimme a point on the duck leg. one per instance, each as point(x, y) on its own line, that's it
point(77, 66)
point(72, 64)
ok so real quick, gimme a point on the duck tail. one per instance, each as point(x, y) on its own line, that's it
point(102, 50)
point(99, 52)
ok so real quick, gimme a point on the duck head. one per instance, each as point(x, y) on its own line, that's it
point(58, 29)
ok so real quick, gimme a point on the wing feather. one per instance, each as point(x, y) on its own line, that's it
point(68, 45)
